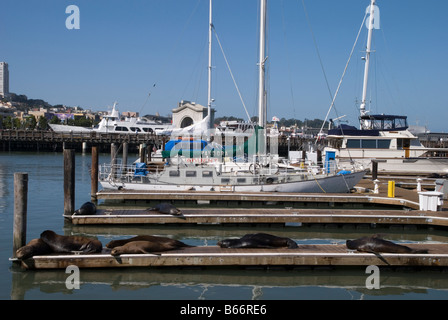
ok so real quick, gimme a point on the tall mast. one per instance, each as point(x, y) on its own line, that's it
point(261, 77)
point(367, 59)
point(209, 96)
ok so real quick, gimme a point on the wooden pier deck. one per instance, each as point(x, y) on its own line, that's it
point(214, 256)
point(255, 199)
point(265, 208)
point(263, 216)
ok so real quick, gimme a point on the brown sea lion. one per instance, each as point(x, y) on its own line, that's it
point(35, 247)
point(67, 244)
point(166, 208)
point(258, 240)
point(142, 247)
point(155, 239)
point(88, 208)
point(375, 244)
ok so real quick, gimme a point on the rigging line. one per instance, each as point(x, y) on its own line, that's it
point(166, 65)
point(317, 49)
point(343, 75)
point(231, 74)
point(147, 98)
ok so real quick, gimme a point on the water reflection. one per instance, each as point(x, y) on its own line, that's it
point(4, 190)
point(152, 283)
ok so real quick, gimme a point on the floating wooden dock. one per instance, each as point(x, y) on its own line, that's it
point(264, 208)
point(215, 216)
point(247, 208)
point(256, 199)
point(214, 256)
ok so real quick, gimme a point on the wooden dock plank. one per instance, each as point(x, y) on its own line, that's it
point(305, 255)
point(281, 216)
point(352, 198)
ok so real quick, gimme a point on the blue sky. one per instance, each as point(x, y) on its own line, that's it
point(123, 48)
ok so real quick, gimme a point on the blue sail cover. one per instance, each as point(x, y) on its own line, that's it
point(140, 169)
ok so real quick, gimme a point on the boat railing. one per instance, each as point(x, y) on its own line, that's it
point(119, 173)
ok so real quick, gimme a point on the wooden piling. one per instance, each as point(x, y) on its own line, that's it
point(374, 170)
point(113, 160)
point(69, 181)
point(148, 153)
point(94, 175)
point(124, 162)
point(20, 210)
point(143, 152)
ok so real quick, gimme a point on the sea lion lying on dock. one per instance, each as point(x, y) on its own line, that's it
point(144, 244)
point(35, 247)
point(375, 244)
point(142, 247)
point(166, 208)
point(68, 244)
point(156, 239)
point(258, 240)
point(88, 208)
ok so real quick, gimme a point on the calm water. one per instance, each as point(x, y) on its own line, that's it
point(45, 208)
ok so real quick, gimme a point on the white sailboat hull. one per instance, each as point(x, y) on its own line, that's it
point(342, 183)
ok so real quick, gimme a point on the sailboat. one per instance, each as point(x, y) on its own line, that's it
point(256, 171)
point(382, 138)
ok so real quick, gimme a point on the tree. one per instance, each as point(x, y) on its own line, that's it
point(42, 123)
point(30, 122)
point(55, 120)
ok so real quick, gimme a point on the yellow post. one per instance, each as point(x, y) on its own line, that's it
point(391, 189)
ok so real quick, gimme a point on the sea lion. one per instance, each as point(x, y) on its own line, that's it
point(375, 244)
point(166, 208)
point(258, 240)
point(142, 247)
point(67, 244)
point(35, 247)
point(88, 208)
point(155, 239)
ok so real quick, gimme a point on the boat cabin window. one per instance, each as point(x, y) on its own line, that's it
point(174, 173)
point(135, 129)
point(335, 143)
point(225, 180)
point(241, 180)
point(147, 130)
point(354, 143)
point(207, 174)
point(416, 143)
point(403, 143)
point(190, 173)
point(118, 128)
point(384, 144)
point(368, 143)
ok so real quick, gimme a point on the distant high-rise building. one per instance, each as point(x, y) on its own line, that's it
point(4, 79)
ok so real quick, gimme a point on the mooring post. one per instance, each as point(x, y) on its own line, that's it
point(113, 159)
point(124, 162)
point(143, 152)
point(319, 157)
point(69, 181)
point(148, 152)
point(94, 174)
point(374, 169)
point(20, 210)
